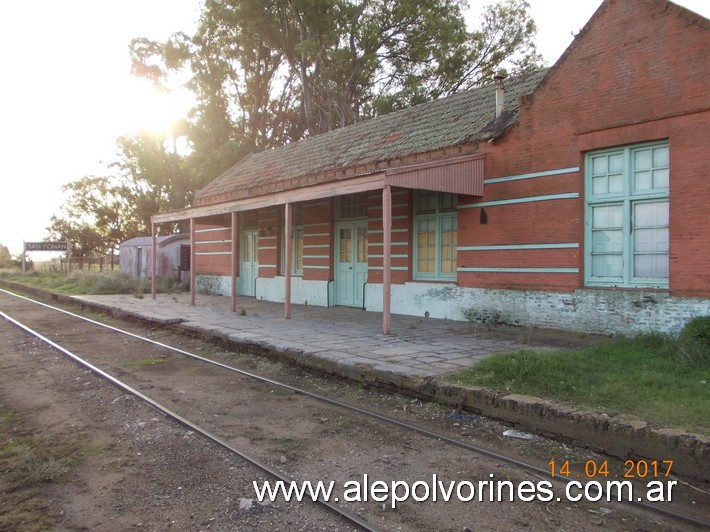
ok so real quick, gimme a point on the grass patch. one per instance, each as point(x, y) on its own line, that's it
point(341, 425)
point(29, 460)
point(92, 283)
point(655, 377)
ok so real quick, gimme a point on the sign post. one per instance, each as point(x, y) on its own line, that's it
point(44, 246)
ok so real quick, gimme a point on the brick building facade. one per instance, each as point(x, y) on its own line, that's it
point(580, 205)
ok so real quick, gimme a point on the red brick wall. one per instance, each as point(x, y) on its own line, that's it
point(317, 231)
point(637, 73)
point(268, 225)
point(401, 235)
point(212, 239)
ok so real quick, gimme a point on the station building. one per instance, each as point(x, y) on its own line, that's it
point(576, 197)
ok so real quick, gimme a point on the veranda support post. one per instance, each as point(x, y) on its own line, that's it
point(288, 257)
point(235, 259)
point(386, 256)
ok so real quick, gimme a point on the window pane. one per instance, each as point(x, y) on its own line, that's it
point(248, 219)
point(655, 266)
point(362, 244)
point(660, 157)
point(599, 166)
point(651, 240)
point(660, 178)
point(607, 241)
point(651, 169)
point(616, 163)
point(608, 216)
point(651, 214)
point(297, 214)
point(607, 266)
point(642, 159)
point(345, 245)
point(616, 183)
point(447, 257)
point(643, 181)
point(426, 246)
point(425, 202)
point(599, 185)
point(447, 202)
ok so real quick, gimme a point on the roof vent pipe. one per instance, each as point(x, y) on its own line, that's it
point(500, 92)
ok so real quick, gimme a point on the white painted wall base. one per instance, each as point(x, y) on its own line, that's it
point(614, 312)
point(302, 292)
point(611, 312)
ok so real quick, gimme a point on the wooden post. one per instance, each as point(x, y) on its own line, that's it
point(154, 255)
point(192, 261)
point(235, 258)
point(24, 259)
point(386, 257)
point(287, 260)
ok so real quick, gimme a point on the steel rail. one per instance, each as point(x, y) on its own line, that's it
point(340, 512)
point(305, 393)
point(682, 516)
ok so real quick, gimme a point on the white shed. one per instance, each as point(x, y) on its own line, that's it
point(173, 256)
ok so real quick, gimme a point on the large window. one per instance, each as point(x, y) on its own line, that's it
point(627, 216)
point(435, 235)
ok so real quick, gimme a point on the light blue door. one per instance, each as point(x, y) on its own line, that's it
point(249, 266)
point(350, 263)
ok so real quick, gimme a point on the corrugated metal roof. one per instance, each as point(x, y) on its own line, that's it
point(465, 117)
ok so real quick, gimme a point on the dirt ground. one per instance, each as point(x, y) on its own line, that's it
point(134, 469)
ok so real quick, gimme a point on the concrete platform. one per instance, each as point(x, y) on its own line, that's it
point(345, 337)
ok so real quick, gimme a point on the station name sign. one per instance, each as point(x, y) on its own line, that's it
point(46, 246)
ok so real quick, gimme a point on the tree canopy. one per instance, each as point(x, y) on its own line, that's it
point(269, 72)
point(5, 257)
point(265, 73)
point(101, 212)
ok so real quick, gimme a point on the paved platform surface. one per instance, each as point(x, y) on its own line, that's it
point(416, 348)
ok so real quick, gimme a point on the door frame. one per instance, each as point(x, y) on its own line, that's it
point(253, 235)
point(357, 287)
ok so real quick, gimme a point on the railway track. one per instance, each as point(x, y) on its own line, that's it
point(375, 417)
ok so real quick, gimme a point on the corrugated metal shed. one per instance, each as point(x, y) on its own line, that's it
point(135, 256)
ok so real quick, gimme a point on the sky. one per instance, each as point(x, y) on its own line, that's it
point(67, 94)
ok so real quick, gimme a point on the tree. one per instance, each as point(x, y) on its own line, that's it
point(5, 257)
point(151, 179)
point(95, 217)
point(101, 212)
point(85, 239)
point(269, 72)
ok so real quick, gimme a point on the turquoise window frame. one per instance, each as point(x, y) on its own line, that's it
point(439, 217)
point(627, 198)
